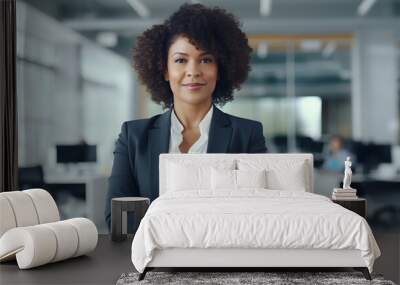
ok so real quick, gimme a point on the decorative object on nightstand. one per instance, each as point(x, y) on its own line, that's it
point(357, 205)
point(119, 209)
point(345, 193)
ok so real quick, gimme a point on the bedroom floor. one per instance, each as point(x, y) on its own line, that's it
point(389, 262)
point(97, 269)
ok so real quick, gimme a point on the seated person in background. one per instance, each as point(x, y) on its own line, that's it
point(337, 154)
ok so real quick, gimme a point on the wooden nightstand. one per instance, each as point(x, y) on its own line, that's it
point(358, 206)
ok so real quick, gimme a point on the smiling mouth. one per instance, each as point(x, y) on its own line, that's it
point(194, 84)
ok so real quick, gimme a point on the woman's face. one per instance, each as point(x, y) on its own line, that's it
point(192, 73)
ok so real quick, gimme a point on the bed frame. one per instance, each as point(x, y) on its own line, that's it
point(245, 258)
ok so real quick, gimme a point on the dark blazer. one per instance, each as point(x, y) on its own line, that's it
point(135, 168)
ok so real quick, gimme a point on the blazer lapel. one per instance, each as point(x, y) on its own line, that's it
point(220, 132)
point(158, 143)
point(159, 134)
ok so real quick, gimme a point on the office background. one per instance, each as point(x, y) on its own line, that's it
point(319, 68)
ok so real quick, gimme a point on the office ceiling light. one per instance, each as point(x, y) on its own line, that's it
point(329, 49)
point(365, 6)
point(310, 45)
point(107, 39)
point(139, 7)
point(265, 7)
point(262, 50)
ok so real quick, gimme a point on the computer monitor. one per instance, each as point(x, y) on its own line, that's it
point(280, 143)
point(361, 151)
point(380, 153)
point(308, 144)
point(76, 153)
point(370, 155)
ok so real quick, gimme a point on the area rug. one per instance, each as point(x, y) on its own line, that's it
point(229, 278)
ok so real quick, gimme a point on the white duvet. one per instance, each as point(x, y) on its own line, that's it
point(253, 218)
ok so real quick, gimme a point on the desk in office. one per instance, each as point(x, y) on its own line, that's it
point(102, 266)
point(94, 188)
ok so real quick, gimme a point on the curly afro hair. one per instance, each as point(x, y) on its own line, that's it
point(211, 29)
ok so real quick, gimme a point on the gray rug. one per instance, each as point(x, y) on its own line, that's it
point(229, 278)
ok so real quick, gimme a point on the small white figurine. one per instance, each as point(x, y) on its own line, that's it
point(347, 174)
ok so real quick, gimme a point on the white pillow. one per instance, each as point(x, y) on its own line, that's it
point(282, 174)
point(223, 179)
point(251, 178)
point(189, 175)
point(185, 178)
point(237, 179)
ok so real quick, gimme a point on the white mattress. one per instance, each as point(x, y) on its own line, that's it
point(252, 218)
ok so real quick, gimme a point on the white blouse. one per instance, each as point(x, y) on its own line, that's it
point(175, 139)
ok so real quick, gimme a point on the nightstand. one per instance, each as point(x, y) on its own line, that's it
point(119, 208)
point(358, 206)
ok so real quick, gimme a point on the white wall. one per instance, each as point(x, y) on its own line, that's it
point(68, 89)
point(106, 98)
point(375, 107)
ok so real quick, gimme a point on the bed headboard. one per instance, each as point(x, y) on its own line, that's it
point(267, 157)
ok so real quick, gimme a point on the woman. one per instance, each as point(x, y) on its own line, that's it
point(195, 59)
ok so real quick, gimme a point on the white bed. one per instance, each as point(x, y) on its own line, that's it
point(279, 225)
